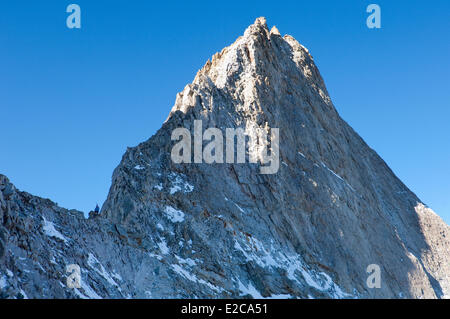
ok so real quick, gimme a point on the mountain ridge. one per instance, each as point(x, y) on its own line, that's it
point(223, 230)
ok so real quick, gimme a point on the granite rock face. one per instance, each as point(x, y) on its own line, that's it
point(224, 230)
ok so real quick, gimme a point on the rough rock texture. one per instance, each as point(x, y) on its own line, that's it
point(172, 230)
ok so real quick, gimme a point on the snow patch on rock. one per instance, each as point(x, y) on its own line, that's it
point(179, 184)
point(50, 230)
point(273, 257)
point(174, 215)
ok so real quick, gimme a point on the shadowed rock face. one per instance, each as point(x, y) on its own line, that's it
point(172, 230)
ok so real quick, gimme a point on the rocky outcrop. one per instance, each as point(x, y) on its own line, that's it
point(219, 230)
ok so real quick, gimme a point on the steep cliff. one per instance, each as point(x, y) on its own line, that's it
point(327, 209)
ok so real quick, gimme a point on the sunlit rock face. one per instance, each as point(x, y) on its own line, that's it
point(225, 230)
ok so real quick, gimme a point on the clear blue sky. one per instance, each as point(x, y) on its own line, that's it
point(71, 101)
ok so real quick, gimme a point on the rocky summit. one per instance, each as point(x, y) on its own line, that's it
point(314, 228)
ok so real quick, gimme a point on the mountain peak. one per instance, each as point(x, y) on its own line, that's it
point(194, 229)
point(259, 61)
point(258, 27)
point(261, 21)
point(332, 209)
point(275, 31)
